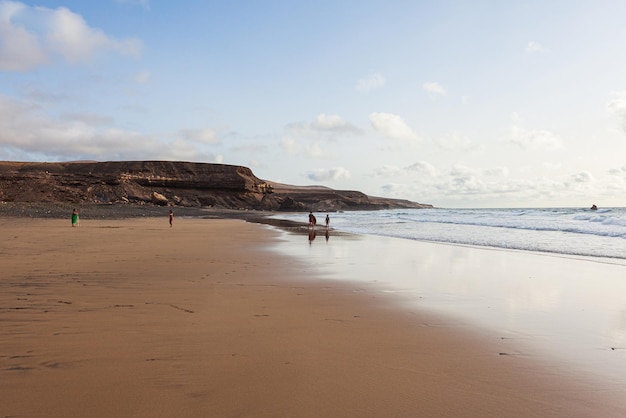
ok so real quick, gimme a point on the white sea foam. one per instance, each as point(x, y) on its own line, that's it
point(569, 231)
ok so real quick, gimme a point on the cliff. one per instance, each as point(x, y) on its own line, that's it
point(169, 183)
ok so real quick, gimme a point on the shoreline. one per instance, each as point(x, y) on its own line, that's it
point(153, 321)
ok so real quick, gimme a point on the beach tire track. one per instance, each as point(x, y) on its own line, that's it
point(181, 309)
point(171, 305)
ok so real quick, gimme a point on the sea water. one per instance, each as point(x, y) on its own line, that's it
point(570, 231)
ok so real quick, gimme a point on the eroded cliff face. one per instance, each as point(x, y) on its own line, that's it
point(170, 183)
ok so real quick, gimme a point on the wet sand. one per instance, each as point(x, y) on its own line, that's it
point(131, 318)
point(569, 309)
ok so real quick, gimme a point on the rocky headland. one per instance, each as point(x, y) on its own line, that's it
point(154, 184)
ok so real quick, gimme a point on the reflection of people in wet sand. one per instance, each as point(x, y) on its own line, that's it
point(75, 219)
point(311, 235)
point(171, 218)
point(312, 220)
point(327, 234)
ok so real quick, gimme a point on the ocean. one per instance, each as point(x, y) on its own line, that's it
point(570, 231)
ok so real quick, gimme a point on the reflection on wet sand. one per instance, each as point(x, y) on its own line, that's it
point(570, 310)
point(313, 234)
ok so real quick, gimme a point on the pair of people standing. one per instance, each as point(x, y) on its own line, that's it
point(313, 220)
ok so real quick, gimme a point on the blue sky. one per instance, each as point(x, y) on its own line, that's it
point(453, 103)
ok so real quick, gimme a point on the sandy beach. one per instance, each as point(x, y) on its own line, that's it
point(132, 318)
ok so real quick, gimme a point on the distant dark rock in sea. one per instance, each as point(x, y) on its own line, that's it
point(173, 183)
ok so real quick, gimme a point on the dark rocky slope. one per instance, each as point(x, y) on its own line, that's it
point(168, 183)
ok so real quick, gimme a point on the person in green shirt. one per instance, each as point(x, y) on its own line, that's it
point(75, 218)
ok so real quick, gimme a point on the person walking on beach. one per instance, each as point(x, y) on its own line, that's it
point(171, 217)
point(312, 220)
point(327, 221)
point(75, 221)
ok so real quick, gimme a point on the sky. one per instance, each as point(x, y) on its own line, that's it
point(452, 103)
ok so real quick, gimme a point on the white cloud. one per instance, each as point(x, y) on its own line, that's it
point(617, 171)
point(394, 189)
point(323, 174)
point(460, 170)
point(40, 94)
point(475, 186)
point(535, 139)
point(89, 118)
point(496, 172)
point(201, 136)
point(582, 177)
point(142, 77)
point(19, 49)
point(26, 131)
point(256, 148)
point(31, 36)
point(388, 171)
point(580, 182)
point(466, 184)
point(332, 123)
point(552, 166)
point(323, 125)
point(434, 87)
point(315, 151)
point(456, 142)
point(391, 126)
point(535, 47)
point(423, 168)
point(290, 145)
point(617, 107)
point(371, 82)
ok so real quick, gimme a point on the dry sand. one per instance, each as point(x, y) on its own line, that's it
point(131, 318)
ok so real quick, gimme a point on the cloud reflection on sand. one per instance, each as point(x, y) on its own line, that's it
point(568, 309)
